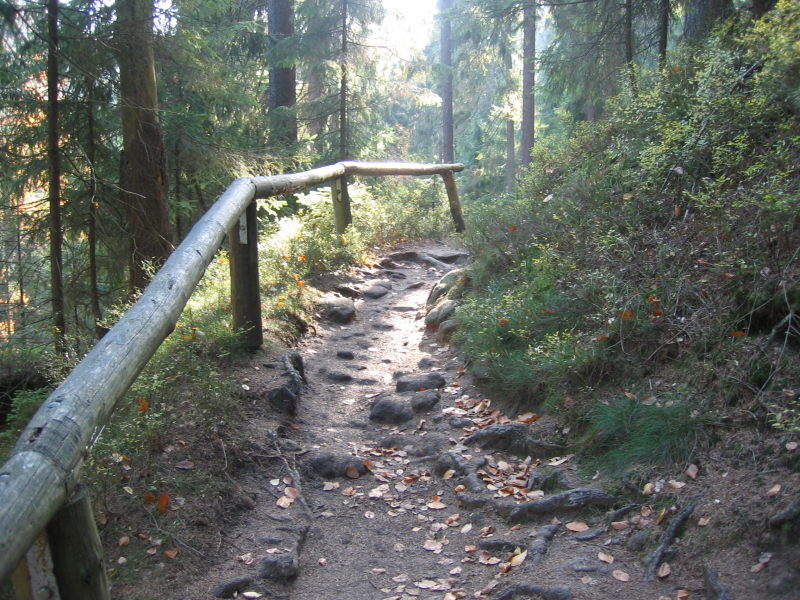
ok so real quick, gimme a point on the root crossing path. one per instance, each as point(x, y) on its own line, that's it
point(393, 477)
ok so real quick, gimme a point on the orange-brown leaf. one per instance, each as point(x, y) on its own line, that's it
point(163, 502)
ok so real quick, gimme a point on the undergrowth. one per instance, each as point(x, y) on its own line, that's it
point(660, 242)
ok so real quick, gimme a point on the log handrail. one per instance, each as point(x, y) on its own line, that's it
point(43, 470)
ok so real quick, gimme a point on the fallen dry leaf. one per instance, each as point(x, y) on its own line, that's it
point(349, 491)
point(518, 559)
point(284, 501)
point(648, 489)
point(681, 594)
point(791, 446)
point(436, 503)
point(664, 570)
point(620, 525)
point(251, 594)
point(124, 541)
point(291, 492)
point(676, 485)
point(487, 559)
point(434, 546)
point(171, 553)
point(449, 474)
point(369, 515)
point(606, 558)
point(577, 526)
point(692, 470)
point(330, 485)
point(703, 521)
point(466, 528)
point(352, 472)
point(184, 465)
point(620, 575)
point(774, 490)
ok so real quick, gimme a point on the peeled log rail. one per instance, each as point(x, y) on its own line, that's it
point(43, 469)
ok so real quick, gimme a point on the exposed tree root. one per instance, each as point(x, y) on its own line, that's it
point(714, 587)
point(669, 536)
point(570, 500)
point(790, 513)
point(514, 438)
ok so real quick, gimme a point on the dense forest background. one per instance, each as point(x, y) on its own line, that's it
point(630, 170)
point(631, 184)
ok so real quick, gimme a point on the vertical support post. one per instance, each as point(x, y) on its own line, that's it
point(77, 551)
point(342, 215)
point(245, 293)
point(34, 578)
point(453, 200)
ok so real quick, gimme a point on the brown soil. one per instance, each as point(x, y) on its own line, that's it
point(400, 531)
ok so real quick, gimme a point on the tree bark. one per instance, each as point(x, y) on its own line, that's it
point(282, 78)
point(760, 7)
point(343, 133)
point(528, 83)
point(511, 158)
point(702, 15)
point(54, 186)
point(91, 233)
point(143, 176)
point(663, 31)
point(629, 66)
point(446, 42)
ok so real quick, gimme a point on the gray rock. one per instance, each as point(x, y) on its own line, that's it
point(425, 401)
point(339, 376)
point(330, 466)
point(638, 541)
point(382, 326)
point(346, 290)
point(426, 363)
point(446, 329)
point(414, 383)
point(340, 310)
point(584, 565)
point(230, 587)
point(443, 310)
point(376, 291)
point(590, 534)
point(459, 422)
point(345, 355)
point(389, 411)
point(279, 567)
point(443, 286)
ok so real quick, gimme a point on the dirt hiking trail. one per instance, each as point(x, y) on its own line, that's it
point(393, 477)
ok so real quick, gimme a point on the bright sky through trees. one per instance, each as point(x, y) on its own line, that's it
point(407, 26)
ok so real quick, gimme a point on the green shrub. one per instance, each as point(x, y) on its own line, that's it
point(627, 431)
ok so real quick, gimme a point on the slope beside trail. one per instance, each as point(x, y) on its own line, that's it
point(398, 506)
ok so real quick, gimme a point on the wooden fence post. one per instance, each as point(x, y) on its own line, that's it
point(77, 551)
point(34, 578)
point(342, 214)
point(245, 292)
point(454, 201)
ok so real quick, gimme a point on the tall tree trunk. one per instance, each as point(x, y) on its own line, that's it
point(316, 123)
point(446, 42)
point(91, 155)
point(702, 15)
point(54, 187)
point(143, 176)
point(282, 79)
point(629, 66)
point(343, 125)
point(528, 83)
point(511, 159)
point(178, 189)
point(760, 7)
point(664, 10)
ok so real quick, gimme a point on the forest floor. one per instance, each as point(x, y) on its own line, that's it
point(331, 503)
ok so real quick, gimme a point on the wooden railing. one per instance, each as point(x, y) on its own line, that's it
point(41, 478)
